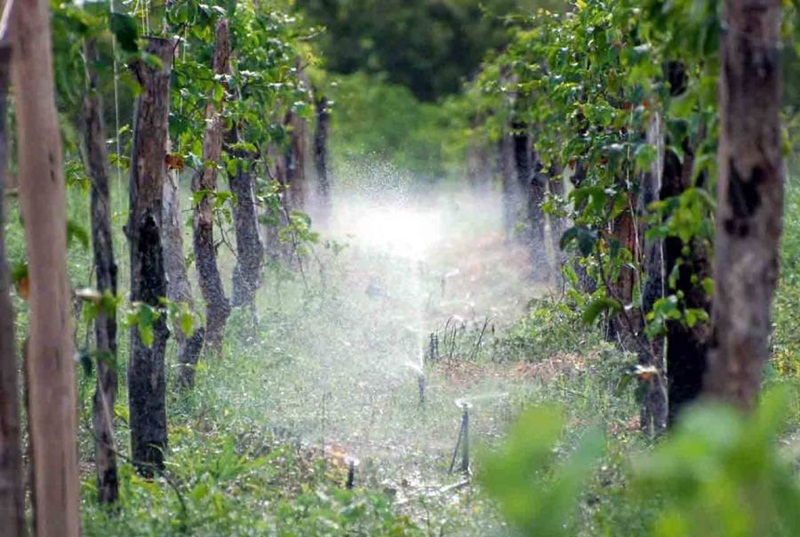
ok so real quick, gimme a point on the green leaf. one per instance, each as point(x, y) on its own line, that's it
point(708, 286)
point(187, 322)
point(124, 27)
point(147, 335)
point(587, 238)
point(76, 232)
point(85, 359)
point(19, 271)
point(568, 236)
point(145, 319)
point(645, 155)
point(696, 315)
point(537, 493)
point(598, 306)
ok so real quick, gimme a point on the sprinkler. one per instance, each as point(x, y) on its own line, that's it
point(418, 369)
point(463, 439)
point(433, 347)
point(351, 473)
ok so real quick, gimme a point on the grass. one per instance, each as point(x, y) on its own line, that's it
point(330, 374)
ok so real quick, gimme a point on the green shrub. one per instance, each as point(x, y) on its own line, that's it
point(551, 327)
point(719, 473)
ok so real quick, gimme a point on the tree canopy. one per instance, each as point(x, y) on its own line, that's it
point(430, 46)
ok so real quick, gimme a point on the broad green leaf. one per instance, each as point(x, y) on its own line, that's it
point(125, 28)
point(598, 306)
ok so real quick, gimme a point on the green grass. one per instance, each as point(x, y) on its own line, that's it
point(329, 370)
point(258, 447)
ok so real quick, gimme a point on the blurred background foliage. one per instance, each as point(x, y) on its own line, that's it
point(395, 70)
point(429, 46)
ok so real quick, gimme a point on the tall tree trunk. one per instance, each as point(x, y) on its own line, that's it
point(295, 162)
point(622, 326)
point(179, 290)
point(749, 200)
point(12, 496)
point(523, 174)
point(288, 172)
point(533, 191)
point(297, 152)
point(653, 417)
point(523, 167)
point(273, 216)
point(249, 250)
point(554, 183)
point(510, 192)
point(217, 306)
point(585, 281)
point(50, 364)
point(686, 347)
point(146, 375)
point(105, 326)
point(321, 134)
point(479, 161)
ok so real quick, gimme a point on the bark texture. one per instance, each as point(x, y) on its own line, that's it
point(533, 190)
point(273, 215)
point(686, 347)
point(653, 416)
point(509, 185)
point(321, 134)
point(479, 155)
point(179, 290)
point(12, 495)
point(749, 200)
point(50, 362)
point(204, 185)
point(146, 375)
point(249, 250)
point(105, 267)
point(622, 327)
point(295, 171)
point(297, 152)
point(554, 183)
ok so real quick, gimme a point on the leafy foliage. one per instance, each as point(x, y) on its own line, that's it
point(428, 46)
point(589, 83)
point(221, 485)
point(530, 457)
point(723, 474)
point(550, 327)
point(720, 473)
point(374, 119)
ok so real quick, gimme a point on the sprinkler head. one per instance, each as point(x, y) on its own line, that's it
point(463, 404)
point(351, 472)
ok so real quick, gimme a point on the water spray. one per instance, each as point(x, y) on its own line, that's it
point(418, 369)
